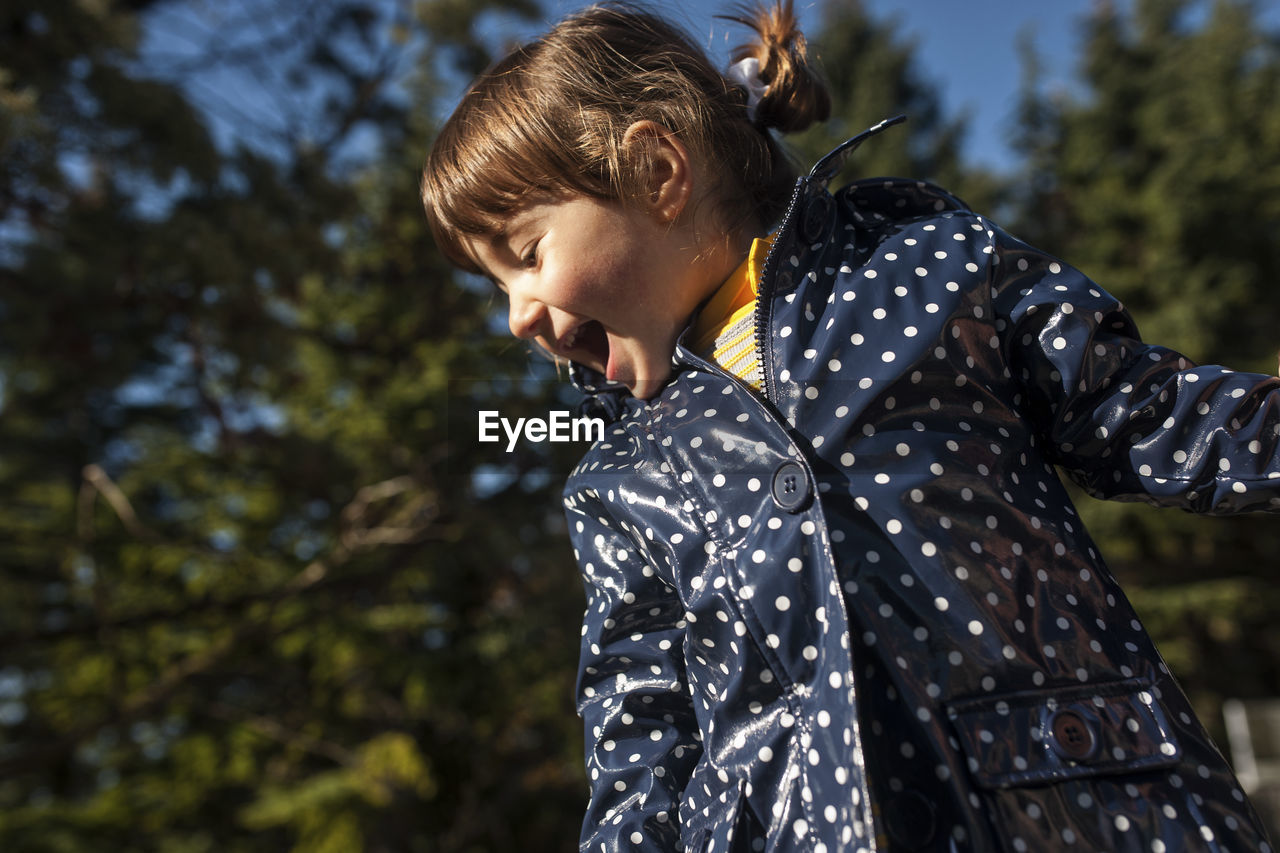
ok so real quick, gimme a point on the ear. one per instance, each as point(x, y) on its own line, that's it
point(670, 180)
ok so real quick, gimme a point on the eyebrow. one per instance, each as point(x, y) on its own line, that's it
point(503, 235)
point(485, 272)
point(512, 223)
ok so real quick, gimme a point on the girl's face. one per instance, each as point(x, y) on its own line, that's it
point(606, 285)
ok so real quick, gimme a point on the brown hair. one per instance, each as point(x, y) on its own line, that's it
point(549, 119)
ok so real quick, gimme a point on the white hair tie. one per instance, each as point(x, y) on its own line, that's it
point(746, 73)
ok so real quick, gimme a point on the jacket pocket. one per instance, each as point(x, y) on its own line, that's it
point(1042, 737)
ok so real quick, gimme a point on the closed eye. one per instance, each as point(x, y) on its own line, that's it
point(529, 259)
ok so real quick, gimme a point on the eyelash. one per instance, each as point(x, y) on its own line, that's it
point(530, 258)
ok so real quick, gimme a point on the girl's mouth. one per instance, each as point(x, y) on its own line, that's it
point(588, 344)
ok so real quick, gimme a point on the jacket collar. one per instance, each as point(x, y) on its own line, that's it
point(607, 398)
point(603, 397)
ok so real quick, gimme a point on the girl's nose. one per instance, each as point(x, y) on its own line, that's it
point(525, 316)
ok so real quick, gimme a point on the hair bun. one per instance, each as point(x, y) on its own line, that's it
point(795, 96)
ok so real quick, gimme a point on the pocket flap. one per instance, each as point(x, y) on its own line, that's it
point(1046, 736)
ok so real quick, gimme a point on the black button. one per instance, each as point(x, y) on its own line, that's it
point(814, 223)
point(909, 819)
point(791, 487)
point(1073, 736)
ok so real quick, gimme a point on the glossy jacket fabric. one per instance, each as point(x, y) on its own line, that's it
point(861, 613)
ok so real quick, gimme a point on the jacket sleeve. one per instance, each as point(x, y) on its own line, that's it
point(633, 696)
point(1129, 420)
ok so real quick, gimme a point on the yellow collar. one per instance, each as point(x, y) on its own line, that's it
point(732, 300)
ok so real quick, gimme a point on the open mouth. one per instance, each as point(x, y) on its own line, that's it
point(587, 344)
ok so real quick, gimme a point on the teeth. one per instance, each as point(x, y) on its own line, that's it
point(570, 339)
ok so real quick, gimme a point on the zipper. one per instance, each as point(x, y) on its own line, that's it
point(823, 171)
point(764, 296)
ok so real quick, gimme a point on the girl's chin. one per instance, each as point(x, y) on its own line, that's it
point(622, 369)
point(643, 389)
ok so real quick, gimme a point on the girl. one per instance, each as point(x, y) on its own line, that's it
point(837, 598)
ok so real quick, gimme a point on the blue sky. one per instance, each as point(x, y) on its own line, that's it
point(970, 51)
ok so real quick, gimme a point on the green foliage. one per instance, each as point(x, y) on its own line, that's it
point(254, 599)
point(1163, 183)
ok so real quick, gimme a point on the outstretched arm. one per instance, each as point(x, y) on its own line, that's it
point(1126, 419)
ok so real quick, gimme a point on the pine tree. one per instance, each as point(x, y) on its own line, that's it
point(256, 593)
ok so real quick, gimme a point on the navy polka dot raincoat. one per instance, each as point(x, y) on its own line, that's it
point(861, 613)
